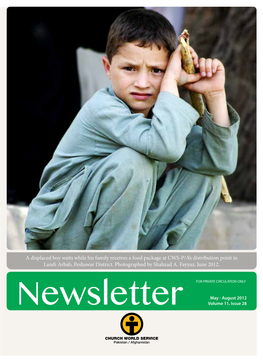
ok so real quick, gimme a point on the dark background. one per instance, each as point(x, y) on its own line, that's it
point(43, 92)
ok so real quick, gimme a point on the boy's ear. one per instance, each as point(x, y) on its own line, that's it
point(106, 65)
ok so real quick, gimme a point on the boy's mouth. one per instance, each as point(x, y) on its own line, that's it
point(141, 96)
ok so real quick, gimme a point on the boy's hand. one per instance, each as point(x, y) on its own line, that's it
point(175, 74)
point(209, 81)
point(212, 80)
point(212, 86)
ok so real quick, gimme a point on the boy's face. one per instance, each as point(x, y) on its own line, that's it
point(136, 74)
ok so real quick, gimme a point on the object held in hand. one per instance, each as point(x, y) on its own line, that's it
point(196, 98)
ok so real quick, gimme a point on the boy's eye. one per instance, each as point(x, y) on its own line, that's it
point(157, 71)
point(130, 69)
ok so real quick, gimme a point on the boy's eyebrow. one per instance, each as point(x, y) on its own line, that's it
point(131, 63)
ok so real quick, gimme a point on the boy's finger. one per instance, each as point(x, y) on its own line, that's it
point(192, 78)
point(178, 48)
point(189, 86)
point(192, 51)
point(195, 60)
point(202, 67)
point(208, 67)
point(194, 56)
point(215, 65)
point(177, 53)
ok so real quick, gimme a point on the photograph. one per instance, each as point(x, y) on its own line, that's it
point(106, 149)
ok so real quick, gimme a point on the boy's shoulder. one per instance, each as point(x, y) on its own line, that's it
point(103, 99)
point(101, 95)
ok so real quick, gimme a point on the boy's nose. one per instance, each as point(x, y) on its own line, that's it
point(142, 80)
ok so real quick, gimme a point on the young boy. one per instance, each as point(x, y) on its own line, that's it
point(134, 171)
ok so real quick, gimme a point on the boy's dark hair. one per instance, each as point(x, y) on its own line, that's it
point(146, 26)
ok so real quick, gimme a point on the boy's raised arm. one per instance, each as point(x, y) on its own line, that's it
point(212, 86)
point(210, 82)
point(175, 76)
point(163, 137)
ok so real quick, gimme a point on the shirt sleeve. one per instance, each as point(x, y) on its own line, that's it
point(212, 149)
point(163, 137)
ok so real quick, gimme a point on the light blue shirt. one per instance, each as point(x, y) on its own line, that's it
point(103, 125)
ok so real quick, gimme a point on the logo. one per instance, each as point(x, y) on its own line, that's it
point(131, 324)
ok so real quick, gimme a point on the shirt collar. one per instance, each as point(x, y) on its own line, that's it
point(111, 91)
